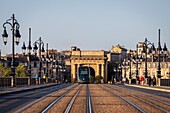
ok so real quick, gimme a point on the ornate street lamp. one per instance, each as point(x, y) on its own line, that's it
point(120, 71)
point(57, 71)
point(47, 60)
point(53, 63)
point(137, 61)
point(165, 52)
point(29, 49)
point(41, 53)
point(15, 33)
point(129, 63)
point(124, 65)
point(145, 53)
point(160, 52)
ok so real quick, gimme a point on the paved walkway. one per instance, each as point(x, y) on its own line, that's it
point(158, 88)
point(23, 88)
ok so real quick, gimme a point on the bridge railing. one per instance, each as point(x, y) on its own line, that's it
point(165, 82)
point(20, 81)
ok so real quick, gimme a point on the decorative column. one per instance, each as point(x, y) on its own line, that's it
point(102, 73)
point(73, 72)
point(98, 69)
point(106, 73)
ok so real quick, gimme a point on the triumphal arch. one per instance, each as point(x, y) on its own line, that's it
point(96, 60)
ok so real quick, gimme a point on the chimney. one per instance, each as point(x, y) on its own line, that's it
point(0, 54)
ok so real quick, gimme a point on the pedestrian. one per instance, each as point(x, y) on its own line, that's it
point(149, 80)
point(142, 80)
point(44, 78)
point(56, 79)
point(36, 79)
point(138, 80)
point(154, 80)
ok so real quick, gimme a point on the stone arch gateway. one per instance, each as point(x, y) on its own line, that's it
point(97, 60)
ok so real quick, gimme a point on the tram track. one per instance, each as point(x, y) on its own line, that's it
point(13, 102)
point(70, 101)
point(88, 101)
point(104, 101)
point(142, 100)
point(68, 109)
point(41, 104)
point(99, 98)
point(60, 97)
point(123, 98)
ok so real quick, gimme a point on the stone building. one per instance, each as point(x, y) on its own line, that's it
point(135, 68)
point(96, 60)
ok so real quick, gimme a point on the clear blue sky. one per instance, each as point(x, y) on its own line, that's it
point(88, 24)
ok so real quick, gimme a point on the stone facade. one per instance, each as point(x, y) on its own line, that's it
point(96, 60)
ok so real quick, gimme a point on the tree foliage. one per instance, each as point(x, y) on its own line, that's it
point(92, 79)
point(4, 71)
point(98, 79)
point(21, 71)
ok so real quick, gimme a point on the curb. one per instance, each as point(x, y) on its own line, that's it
point(151, 88)
point(26, 89)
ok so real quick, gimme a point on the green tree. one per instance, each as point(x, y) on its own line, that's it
point(4, 71)
point(21, 71)
point(1, 67)
point(92, 79)
point(98, 79)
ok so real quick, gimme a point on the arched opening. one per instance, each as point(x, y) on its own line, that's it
point(92, 75)
point(92, 71)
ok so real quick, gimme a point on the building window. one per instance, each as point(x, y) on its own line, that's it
point(35, 64)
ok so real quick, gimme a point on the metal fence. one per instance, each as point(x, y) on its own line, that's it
point(7, 81)
point(165, 82)
point(21, 81)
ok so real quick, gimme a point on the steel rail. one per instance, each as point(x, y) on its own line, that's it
point(168, 104)
point(56, 100)
point(134, 105)
point(60, 87)
point(152, 98)
point(70, 105)
point(88, 101)
point(160, 108)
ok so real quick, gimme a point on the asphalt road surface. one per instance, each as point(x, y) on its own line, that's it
point(13, 101)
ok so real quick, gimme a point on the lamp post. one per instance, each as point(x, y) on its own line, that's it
point(63, 68)
point(15, 33)
point(114, 77)
point(57, 76)
point(137, 60)
point(47, 60)
point(29, 48)
point(160, 51)
point(129, 62)
point(120, 71)
point(145, 53)
point(159, 55)
point(41, 52)
point(124, 65)
point(53, 63)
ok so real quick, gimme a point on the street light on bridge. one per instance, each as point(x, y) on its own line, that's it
point(160, 52)
point(41, 52)
point(15, 33)
point(29, 48)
